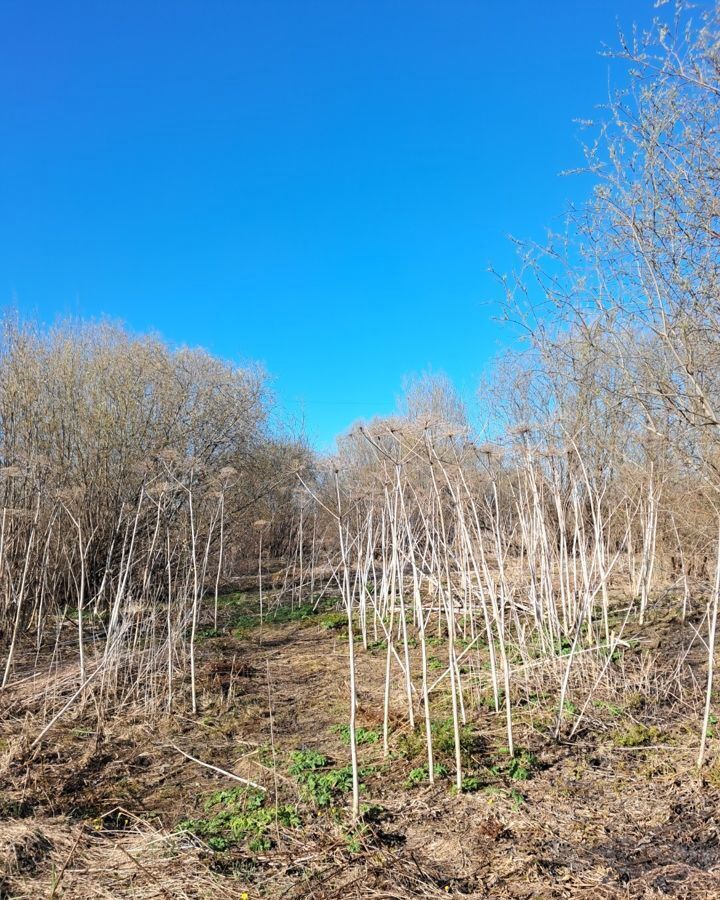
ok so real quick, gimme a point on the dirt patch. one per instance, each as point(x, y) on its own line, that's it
point(112, 808)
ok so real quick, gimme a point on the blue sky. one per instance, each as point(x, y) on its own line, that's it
point(317, 185)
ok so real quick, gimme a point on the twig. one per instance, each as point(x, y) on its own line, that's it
point(70, 855)
point(217, 769)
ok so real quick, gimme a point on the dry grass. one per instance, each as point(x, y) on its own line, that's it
point(55, 857)
point(93, 811)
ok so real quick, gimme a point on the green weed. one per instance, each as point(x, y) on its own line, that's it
point(518, 768)
point(472, 783)
point(421, 775)
point(334, 621)
point(513, 794)
point(413, 744)
point(320, 784)
point(354, 838)
point(362, 735)
point(444, 737)
point(239, 815)
point(303, 761)
point(377, 645)
point(615, 711)
point(636, 736)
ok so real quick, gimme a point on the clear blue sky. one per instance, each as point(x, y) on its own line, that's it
point(314, 184)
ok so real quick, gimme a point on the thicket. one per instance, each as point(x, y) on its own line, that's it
point(130, 478)
point(490, 563)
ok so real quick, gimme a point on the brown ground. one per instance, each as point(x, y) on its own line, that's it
point(94, 812)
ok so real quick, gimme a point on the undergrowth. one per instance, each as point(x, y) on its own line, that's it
point(362, 735)
point(240, 815)
point(321, 784)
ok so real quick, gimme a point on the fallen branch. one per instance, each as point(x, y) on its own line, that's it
point(218, 769)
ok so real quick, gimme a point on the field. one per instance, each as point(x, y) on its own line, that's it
point(468, 647)
point(116, 807)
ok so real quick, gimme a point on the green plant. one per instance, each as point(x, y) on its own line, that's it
point(421, 774)
point(615, 711)
point(302, 761)
point(293, 613)
point(487, 700)
point(471, 783)
point(238, 815)
point(245, 616)
point(444, 737)
point(321, 785)
point(234, 599)
point(411, 745)
point(354, 838)
point(372, 812)
point(362, 735)
point(266, 755)
point(322, 789)
point(519, 767)
point(377, 645)
point(636, 736)
point(242, 623)
point(334, 621)
point(80, 733)
point(204, 634)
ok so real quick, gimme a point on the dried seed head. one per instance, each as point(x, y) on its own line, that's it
point(489, 450)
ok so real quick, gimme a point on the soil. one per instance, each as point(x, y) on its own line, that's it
point(97, 809)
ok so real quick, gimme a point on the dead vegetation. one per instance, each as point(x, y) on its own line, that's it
point(459, 667)
point(101, 809)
